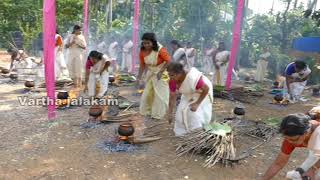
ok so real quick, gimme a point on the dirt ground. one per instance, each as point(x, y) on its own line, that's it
point(33, 148)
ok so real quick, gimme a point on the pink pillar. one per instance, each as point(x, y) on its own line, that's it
point(86, 19)
point(135, 33)
point(49, 33)
point(235, 42)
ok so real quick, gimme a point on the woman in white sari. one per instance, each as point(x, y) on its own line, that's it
point(76, 44)
point(297, 74)
point(195, 107)
point(154, 59)
point(191, 54)
point(61, 70)
point(208, 64)
point(179, 53)
point(262, 66)
point(221, 62)
point(127, 57)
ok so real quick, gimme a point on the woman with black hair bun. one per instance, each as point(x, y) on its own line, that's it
point(298, 130)
point(154, 59)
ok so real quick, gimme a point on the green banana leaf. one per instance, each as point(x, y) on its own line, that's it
point(218, 129)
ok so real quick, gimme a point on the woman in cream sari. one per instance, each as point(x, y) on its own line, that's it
point(76, 44)
point(154, 59)
point(195, 107)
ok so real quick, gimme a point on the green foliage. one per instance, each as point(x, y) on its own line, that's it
point(26, 16)
point(273, 121)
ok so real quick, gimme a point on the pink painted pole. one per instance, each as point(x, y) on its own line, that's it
point(86, 19)
point(49, 33)
point(235, 42)
point(135, 33)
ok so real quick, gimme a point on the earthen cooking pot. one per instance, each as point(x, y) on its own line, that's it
point(95, 111)
point(5, 71)
point(111, 79)
point(276, 84)
point(247, 78)
point(278, 98)
point(239, 111)
point(315, 91)
point(29, 83)
point(126, 129)
point(13, 76)
point(63, 95)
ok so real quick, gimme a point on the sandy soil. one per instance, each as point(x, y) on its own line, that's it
point(33, 148)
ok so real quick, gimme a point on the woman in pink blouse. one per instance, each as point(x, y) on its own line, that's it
point(195, 107)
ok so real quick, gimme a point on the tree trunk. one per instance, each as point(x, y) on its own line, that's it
point(107, 11)
point(285, 33)
point(295, 4)
point(272, 7)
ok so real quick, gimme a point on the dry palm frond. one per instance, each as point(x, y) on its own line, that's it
point(215, 143)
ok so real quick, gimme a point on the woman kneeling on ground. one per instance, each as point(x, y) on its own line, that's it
point(97, 71)
point(195, 107)
point(298, 131)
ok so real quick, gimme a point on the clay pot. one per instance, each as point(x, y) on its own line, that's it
point(63, 95)
point(126, 129)
point(247, 78)
point(315, 91)
point(13, 76)
point(112, 79)
point(312, 116)
point(239, 111)
point(278, 98)
point(29, 83)
point(95, 111)
point(5, 71)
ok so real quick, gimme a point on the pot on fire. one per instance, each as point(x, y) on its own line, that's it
point(29, 83)
point(126, 129)
point(95, 111)
point(239, 111)
point(278, 98)
point(63, 95)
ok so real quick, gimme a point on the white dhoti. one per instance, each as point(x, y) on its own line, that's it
point(187, 120)
point(61, 71)
point(261, 70)
point(75, 62)
point(76, 56)
point(220, 75)
point(296, 88)
point(190, 56)
point(126, 62)
point(103, 79)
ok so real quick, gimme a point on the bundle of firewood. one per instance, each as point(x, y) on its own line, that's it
point(215, 141)
point(242, 94)
point(59, 83)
